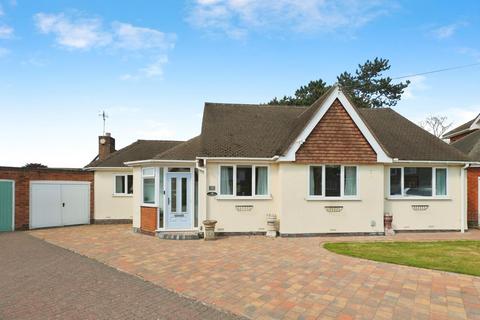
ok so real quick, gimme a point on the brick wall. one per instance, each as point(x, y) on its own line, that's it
point(22, 179)
point(336, 139)
point(148, 219)
point(472, 193)
point(460, 136)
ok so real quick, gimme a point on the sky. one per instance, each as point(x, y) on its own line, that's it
point(151, 65)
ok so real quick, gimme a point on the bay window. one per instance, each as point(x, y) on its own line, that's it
point(333, 181)
point(418, 182)
point(243, 180)
point(123, 184)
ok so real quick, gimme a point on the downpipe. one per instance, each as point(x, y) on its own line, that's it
point(463, 210)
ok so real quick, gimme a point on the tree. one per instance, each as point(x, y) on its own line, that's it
point(304, 96)
point(34, 166)
point(436, 125)
point(368, 88)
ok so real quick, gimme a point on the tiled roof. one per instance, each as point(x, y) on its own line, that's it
point(470, 145)
point(460, 129)
point(260, 131)
point(187, 150)
point(139, 150)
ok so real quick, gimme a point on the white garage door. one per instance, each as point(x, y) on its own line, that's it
point(54, 204)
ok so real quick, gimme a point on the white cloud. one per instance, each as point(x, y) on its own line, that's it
point(417, 84)
point(6, 32)
point(138, 38)
point(4, 52)
point(460, 115)
point(447, 31)
point(236, 18)
point(75, 31)
point(474, 53)
point(154, 69)
point(1, 10)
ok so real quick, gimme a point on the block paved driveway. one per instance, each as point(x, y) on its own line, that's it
point(283, 278)
point(42, 281)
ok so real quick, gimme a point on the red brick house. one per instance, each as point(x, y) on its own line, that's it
point(466, 138)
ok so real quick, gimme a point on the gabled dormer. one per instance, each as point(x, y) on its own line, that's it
point(333, 131)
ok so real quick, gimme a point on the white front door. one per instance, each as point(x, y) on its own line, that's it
point(179, 208)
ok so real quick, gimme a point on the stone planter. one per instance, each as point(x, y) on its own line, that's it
point(387, 221)
point(271, 226)
point(209, 229)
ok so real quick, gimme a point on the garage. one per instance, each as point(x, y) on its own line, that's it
point(45, 197)
point(7, 205)
point(54, 204)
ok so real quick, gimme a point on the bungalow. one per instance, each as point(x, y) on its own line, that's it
point(113, 180)
point(328, 168)
point(466, 138)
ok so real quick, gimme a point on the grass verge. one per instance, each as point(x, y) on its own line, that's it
point(454, 256)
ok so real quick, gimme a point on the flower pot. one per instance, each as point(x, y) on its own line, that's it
point(387, 222)
point(209, 229)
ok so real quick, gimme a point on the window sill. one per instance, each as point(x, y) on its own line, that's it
point(310, 198)
point(401, 198)
point(152, 205)
point(244, 198)
point(122, 195)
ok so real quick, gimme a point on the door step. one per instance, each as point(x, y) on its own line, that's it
point(179, 235)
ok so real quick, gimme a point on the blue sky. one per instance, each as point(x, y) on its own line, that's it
point(152, 64)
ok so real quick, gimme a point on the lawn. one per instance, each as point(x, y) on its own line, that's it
point(454, 256)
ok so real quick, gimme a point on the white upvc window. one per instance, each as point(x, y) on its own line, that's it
point(148, 186)
point(122, 184)
point(418, 182)
point(332, 182)
point(244, 180)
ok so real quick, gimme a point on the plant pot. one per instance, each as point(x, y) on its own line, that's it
point(387, 222)
point(209, 229)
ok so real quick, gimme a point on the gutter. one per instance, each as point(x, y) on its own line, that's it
point(106, 169)
point(396, 160)
point(274, 158)
point(140, 162)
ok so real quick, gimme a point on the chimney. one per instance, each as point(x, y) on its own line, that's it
point(106, 146)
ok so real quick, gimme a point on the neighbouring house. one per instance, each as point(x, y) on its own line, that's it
point(466, 138)
point(114, 186)
point(323, 169)
point(45, 197)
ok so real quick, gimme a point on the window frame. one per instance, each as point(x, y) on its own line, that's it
point(125, 177)
point(234, 187)
point(342, 183)
point(416, 197)
point(154, 177)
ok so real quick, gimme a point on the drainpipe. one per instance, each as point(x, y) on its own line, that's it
point(204, 170)
point(464, 207)
point(206, 189)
